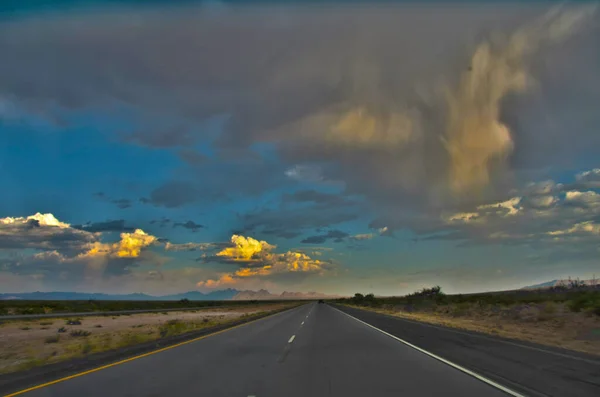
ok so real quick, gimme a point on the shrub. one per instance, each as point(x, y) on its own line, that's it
point(80, 332)
point(587, 300)
point(73, 322)
point(98, 326)
point(25, 328)
point(548, 311)
point(172, 327)
point(52, 339)
point(46, 323)
point(62, 329)
point(130, 339)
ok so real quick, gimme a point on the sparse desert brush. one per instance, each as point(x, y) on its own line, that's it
point(52, 339)
point(461, 309)
point(80, 333)
point(86, 347)
point(547, 311)
point(172, 327)
point(585, 301)
point(550, 308)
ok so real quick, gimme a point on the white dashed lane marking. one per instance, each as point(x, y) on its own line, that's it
point(292, 339)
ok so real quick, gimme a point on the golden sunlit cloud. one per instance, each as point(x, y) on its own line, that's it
point(225, 279)
point(250, 252)
point(245, 249)
point(129, 246)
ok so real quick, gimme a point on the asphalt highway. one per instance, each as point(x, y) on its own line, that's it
point(312, 350)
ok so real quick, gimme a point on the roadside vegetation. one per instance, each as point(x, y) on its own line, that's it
point(25, 344)
point(21, 307)
point(566, 316)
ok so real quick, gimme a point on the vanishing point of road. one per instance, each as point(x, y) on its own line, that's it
point(311, 350)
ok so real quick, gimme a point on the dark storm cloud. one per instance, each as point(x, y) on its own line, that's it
point(291, 222)
point(336, 235)
point(117, 225)
point(190, 225)
point(192, 157)
point(314, 196)
point(173, 194)
point(122, 203)
point(287, 234)
point(220, 181)
point(179, 136)
point(331, 85)
point(407, 107)
point(162, 222)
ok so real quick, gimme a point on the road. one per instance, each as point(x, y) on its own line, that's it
point(312, 350)
point(531, 369)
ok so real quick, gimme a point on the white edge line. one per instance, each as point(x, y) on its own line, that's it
point(456, 366)
point(475, 335)
point(292, 339)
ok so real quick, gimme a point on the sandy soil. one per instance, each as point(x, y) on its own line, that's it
point(552, 325)
point(24, 344)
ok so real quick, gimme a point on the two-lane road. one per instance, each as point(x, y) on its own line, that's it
point(312, 350)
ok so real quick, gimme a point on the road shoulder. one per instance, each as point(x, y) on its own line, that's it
point(533, 370)
point(11, 382)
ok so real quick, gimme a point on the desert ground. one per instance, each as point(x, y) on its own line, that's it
point(28, 343)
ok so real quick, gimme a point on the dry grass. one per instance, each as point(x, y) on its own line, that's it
point(23, 349)
point(548, 323)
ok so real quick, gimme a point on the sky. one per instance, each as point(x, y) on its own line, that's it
point(339, 147)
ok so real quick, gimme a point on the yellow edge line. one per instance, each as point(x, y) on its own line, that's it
point(132, 358)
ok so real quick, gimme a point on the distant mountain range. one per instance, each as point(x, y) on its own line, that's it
point(226, 294)
point(561, 283)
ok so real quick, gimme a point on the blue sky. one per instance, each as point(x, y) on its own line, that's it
point(380, 148)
